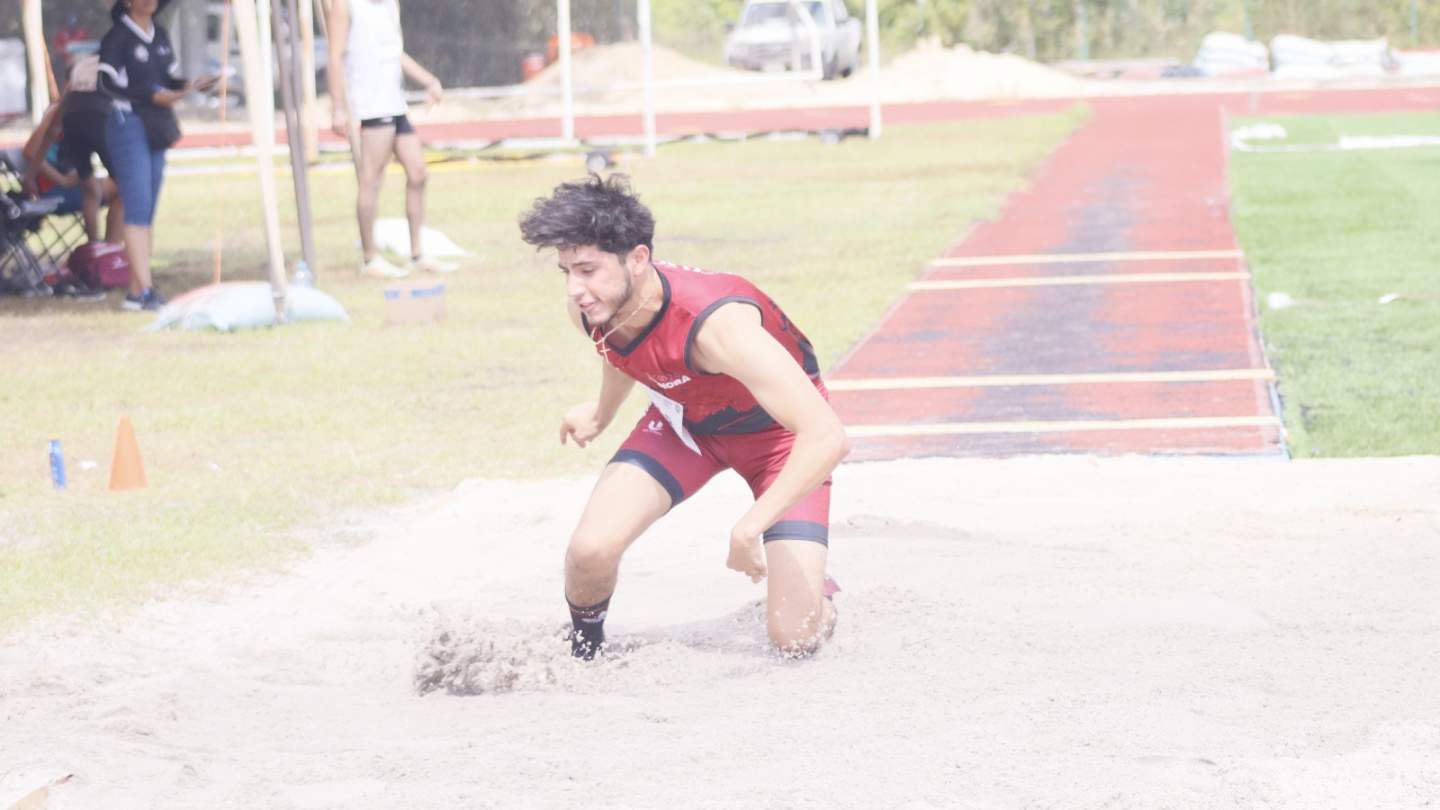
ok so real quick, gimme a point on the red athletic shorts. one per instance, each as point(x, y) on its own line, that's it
point(654, 447)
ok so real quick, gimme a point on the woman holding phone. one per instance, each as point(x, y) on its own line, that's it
point(139, 72)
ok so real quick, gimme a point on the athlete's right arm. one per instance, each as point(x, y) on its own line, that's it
point(589, 419)
point(338, 35)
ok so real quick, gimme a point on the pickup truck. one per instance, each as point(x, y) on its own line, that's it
point(772, 35)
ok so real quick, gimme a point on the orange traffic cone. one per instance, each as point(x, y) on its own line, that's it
point(126, 471)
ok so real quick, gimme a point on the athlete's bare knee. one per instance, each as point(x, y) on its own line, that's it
point(591, 556)
point(417, 177)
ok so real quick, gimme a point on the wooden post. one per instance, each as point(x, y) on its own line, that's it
point(35, 56)
point(262, 129)
point(267, 59)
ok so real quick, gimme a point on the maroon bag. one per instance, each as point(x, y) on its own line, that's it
point(101, 265)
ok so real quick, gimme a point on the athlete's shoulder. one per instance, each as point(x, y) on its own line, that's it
point(701, 281)
point(663, 265)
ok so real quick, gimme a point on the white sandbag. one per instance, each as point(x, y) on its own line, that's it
point(1223, 53)
point(1418, 63)
point(244, 305)
point(1289, 49)
point(1372, 52)
point(1301, 57)
point(1226, 41)
point(393, 235)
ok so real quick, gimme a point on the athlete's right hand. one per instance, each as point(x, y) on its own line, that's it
point(340, 122)
point(581, 423)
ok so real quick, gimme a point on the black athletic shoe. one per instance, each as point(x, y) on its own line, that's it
point(151, 300)
point(583, 647)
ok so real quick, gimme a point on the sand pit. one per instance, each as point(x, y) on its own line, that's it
point(1056, 632)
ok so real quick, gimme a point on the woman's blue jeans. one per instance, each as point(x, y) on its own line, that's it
point(139, 169)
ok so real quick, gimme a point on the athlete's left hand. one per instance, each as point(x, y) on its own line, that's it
point(746, 553)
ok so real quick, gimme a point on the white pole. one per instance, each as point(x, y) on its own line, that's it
point(567, 83)
point(262, 129)
point(264, 93)
point(872, 44)
point(307, 80)
point(647, 76)
point(35, 53)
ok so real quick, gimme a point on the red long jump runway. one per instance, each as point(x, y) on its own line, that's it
point(844, 117)
point(807, 119)
point(1107, 310)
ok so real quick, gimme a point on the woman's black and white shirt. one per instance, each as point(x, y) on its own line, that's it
point(134, 63)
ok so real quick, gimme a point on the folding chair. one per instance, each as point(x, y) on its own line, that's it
point(21, 271)
point(58, 230)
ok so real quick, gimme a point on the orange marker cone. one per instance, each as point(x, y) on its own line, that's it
point(126, 471)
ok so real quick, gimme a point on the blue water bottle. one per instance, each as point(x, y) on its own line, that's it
point(57, 464)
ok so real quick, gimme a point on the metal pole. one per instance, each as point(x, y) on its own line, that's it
point(307, 81)
point(1082, 31)
point(35, 53)
point(1414, 23)
point(290, 91)
point(262, 129)
point(872, 44)
point(567, 83)
point(647, 75)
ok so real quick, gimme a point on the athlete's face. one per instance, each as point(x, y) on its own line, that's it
point(598, 282)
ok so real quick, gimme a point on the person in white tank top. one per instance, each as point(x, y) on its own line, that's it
point(368, 67)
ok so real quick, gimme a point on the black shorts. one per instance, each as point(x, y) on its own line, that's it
point(84, 135)
point(401, 124)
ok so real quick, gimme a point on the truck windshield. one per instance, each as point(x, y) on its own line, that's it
point(761, 12)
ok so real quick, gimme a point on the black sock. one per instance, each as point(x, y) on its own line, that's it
point(589, 628)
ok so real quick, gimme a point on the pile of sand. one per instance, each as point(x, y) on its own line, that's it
point(607, 80)
point(932, 71)
point(605, 65)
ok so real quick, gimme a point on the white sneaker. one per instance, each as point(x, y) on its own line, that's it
point(430, 264)
point(380, 267)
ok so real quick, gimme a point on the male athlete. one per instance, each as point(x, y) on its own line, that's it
point(733, 384)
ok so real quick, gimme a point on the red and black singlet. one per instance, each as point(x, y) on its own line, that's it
point(660, 357)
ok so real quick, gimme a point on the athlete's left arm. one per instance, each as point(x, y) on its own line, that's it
point(418, 74)
point(732, 341)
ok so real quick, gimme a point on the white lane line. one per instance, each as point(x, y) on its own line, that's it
point(1014, 380)
point(961, 428)
point(1069, 281)
point(1076, 258)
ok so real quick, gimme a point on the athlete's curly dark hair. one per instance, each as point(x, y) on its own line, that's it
point(603, 212)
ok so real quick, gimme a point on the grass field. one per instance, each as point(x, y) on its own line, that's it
point(1338, 231)
point(249, 437)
